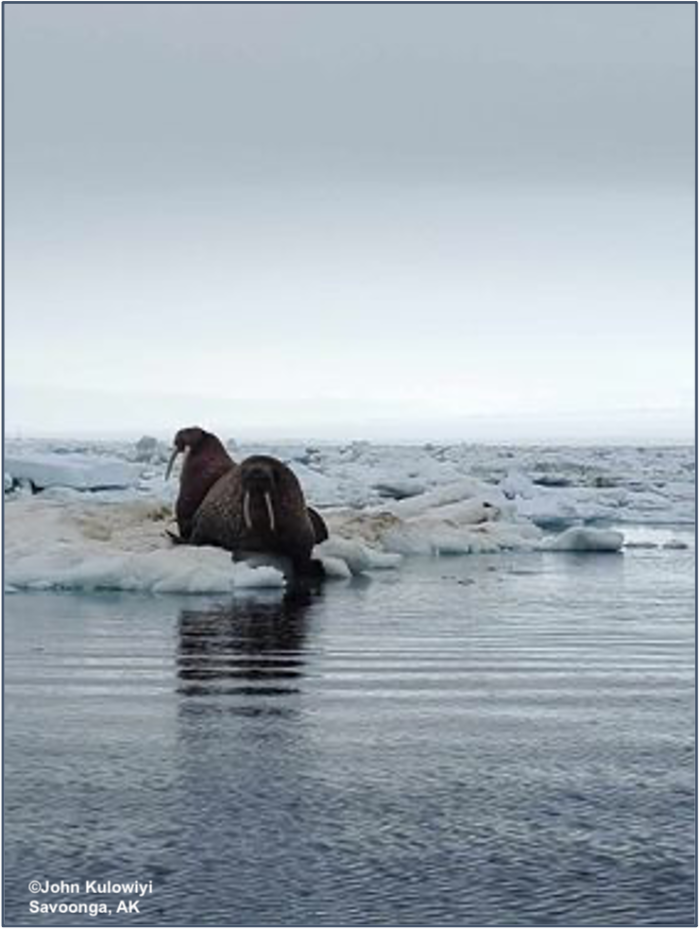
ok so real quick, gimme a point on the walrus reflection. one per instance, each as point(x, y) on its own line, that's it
point(247, 648)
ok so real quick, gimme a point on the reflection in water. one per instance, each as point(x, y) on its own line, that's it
point(513, 751)
point(247, 647)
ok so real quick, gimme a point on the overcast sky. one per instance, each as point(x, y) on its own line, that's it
point(342, 221)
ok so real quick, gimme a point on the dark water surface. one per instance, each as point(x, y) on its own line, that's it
point(500, 740)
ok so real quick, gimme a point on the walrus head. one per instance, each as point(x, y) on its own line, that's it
point(261, 486)
point(185, 440)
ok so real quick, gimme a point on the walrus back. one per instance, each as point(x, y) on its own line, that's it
point(194, 490)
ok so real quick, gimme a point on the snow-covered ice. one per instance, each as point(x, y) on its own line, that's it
point(79, 471)
point(101, 521)
point(113, 546)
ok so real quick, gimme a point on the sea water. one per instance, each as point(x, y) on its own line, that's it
point(480, 740)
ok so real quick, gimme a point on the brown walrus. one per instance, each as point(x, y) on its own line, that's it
point(206, 460)
point(259, 507)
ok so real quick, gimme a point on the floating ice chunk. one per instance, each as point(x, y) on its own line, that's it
point(82, 472)
point(73, 544)
point(426, 537)
point(55, 544)
point(369, 526)
point(470, 512)
point(586, 539)
point(335, 568)
point(459, 518)
point(399, 489)
point(550, 511)
point(319, 489)
point(517, 484)
point(357, 556)
point(8, 481)
point(148, 449)
point(179, 570)
point(454, 492)
point(434, 536)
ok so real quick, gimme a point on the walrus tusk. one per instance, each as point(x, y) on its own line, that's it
point(270, 511)
point(246, 510)
point(176, 452)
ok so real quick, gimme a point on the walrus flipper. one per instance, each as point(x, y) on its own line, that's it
point(319, 525)
point(175, 539)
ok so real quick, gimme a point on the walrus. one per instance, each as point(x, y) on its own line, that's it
point(259, 507)
point(206, 460)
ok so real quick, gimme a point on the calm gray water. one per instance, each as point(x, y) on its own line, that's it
point(502, 740)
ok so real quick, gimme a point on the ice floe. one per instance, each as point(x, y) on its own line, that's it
point(100, 522)
point(106, 546)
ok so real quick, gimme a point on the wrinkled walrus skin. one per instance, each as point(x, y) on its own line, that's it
point(206, 460)
point(259, 507)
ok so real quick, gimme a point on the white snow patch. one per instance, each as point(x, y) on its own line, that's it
point(454, 492)
point(460, 518)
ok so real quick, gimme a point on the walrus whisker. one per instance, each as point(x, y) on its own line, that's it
point(246, 510)
point(270, 510)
